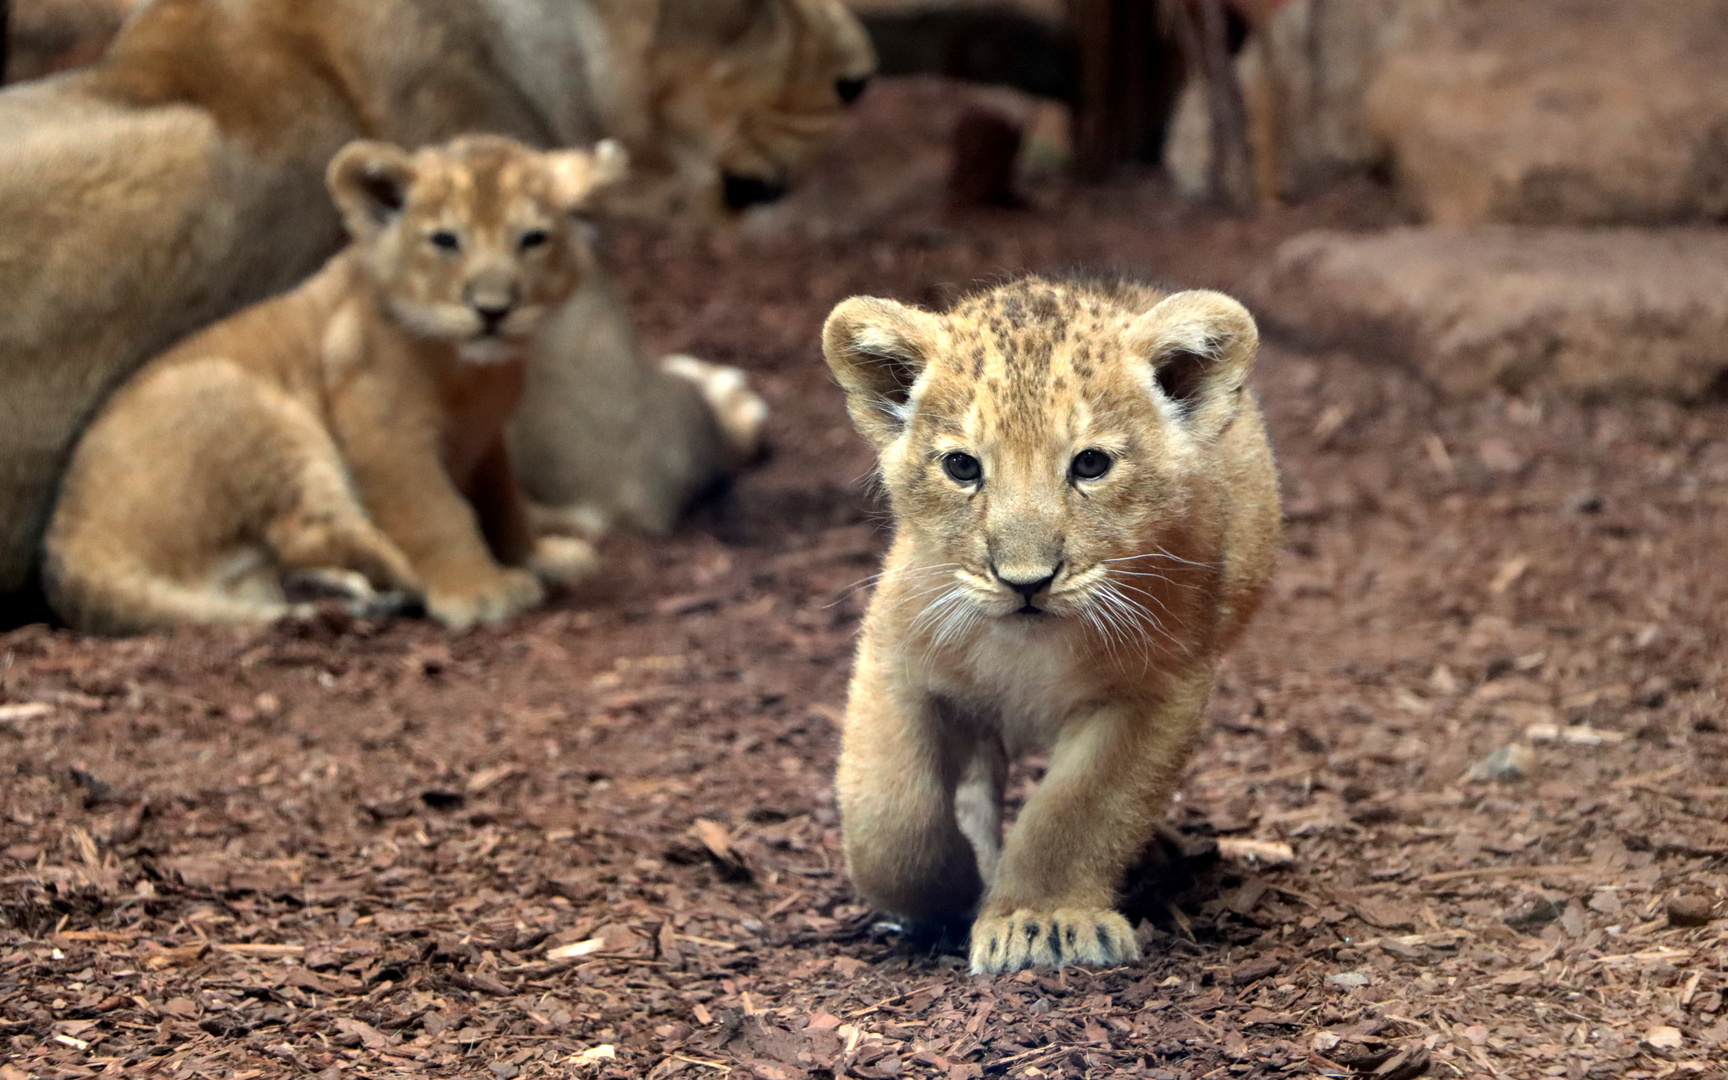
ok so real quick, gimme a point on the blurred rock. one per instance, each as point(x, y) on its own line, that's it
point(1306, 71)
point(1572, 312)
point(1559, 111)
point(1543, 112)
point(46, 36)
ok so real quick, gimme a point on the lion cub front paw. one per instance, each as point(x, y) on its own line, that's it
point(495, 597)
point(1066, 936)
point(738, 410)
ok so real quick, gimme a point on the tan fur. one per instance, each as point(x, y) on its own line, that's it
point(354, 426)
point(1158, 564)
point(179, 178)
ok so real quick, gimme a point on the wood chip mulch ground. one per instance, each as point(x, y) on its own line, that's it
point(1459, 812)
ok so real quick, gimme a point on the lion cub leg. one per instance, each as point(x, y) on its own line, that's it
point(899, 769)
point(419, 506)
point(1051, 901)
point(337, 551)
point(978, 804)
point(511, 529)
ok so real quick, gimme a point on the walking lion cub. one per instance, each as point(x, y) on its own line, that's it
point(1086, 515)
point(351, 430)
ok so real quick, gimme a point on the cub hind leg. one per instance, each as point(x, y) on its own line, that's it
point(190, 495)
point(325, 541)
point(978, 804)
point(738, 411)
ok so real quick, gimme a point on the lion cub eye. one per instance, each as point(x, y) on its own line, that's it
point(534, 238)
point(445, 240)
point(962, 468)
point(1091, 464)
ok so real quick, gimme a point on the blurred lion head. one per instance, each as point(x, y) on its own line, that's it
point(742, 91)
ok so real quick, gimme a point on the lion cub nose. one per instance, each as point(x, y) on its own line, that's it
point(1027, 584)
point(492, 317)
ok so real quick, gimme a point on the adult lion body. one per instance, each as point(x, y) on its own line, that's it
point(181, 177)
point(1086, 515)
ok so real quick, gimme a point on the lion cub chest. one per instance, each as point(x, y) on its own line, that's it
point(1019, 683)
point(476, 402)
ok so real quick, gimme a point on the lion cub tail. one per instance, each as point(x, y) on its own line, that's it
point(129, 599)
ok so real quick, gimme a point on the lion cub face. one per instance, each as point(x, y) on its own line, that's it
point(474, 242)
point(1040, 442)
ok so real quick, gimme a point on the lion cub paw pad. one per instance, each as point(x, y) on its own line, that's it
point(739, 410)
point(1053, 938)
point(563, 560)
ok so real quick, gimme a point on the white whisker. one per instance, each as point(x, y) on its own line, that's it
point(1148, 595)
point(1167, 580)
point(1159, 553)
point(908, 571)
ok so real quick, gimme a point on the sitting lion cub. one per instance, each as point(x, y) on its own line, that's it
point(352, 429)
point(1086, 515)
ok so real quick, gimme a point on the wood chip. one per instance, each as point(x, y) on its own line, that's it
point(1255, 970)
point(369, 1036)
point(1510, 571)
point(487, 779)
point(576, 949)
point(1269, 852)
point(247, 949)
point(1384, 915)
point(1663, 1037)
point(715, 837)
point(1576, 735)
point(1690, 910)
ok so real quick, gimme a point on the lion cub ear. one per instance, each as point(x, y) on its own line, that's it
point(1201, 346)
point(878, 348)
point(578, 175)
point(369, 181)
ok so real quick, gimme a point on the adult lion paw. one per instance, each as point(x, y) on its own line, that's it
point(1066, 936)
point(495, 598)
point(738, 410)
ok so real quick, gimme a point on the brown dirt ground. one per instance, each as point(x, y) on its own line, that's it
point(352, 849)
